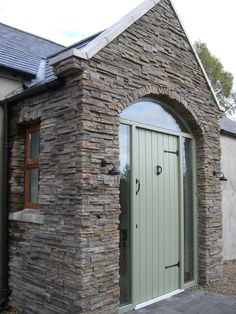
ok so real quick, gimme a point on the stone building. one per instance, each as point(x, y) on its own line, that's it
point(21, 54)
point(113, 151)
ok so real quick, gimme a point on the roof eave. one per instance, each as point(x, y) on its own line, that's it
point(225, 132)
point(73, 52)
point(111, 33)
point(23, 73)
point(34, 90)
point(108, 35)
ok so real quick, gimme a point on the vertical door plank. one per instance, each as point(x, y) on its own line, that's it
point(155, 219)
point(166, 195)
point(158, 214)
point(142, 215)
point(149, 213)
point(161, 216)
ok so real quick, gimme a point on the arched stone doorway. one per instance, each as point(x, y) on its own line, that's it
point(158, 206)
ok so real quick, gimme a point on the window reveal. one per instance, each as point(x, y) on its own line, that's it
point(32, 166)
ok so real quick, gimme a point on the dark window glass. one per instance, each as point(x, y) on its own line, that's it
point(34, 145)
point(33, 185)
point(125, 215)
point(188, 210)
point(32, 166)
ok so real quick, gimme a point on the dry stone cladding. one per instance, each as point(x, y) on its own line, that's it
point(70, 263)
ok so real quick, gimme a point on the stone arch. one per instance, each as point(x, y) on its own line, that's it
point(171, 98)
point(198, 127)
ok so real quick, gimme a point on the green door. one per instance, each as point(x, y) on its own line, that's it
point(155, 215)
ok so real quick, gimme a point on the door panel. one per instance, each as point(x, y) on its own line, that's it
point(156, 215)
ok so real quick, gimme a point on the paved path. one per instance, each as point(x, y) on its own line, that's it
point(192, 301)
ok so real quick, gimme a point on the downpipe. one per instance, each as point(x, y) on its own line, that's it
point(4, 293)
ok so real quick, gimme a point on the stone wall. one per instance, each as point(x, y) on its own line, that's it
point(153, 58)
point(45, 257)
point(70, 262)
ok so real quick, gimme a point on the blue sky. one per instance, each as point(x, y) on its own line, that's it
point(211, 21)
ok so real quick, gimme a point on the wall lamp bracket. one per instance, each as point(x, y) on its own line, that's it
point(220, 175)
point(111, 172)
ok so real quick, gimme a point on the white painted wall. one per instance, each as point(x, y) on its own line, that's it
point(228, 165)
point(7, 86)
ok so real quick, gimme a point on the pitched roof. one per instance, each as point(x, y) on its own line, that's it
point(78, 45)
point(93, 46)
point(99, 42)
point(22, 52)
point(85, 49)
point(228, 126)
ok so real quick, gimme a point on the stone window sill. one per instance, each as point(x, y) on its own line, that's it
point(28, 215)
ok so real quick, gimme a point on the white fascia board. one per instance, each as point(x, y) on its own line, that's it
point(111, 33)
point(108, 35)
point(94, 48)
point(198, 59)
point(67, 54)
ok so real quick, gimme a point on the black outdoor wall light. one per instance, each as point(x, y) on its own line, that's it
point(220, 176)
point(113, 171)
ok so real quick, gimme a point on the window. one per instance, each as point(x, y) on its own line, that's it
point(31, 166)
point(151, 112)
point(188, 210)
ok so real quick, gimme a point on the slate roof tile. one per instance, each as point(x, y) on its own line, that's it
point(22, 51)
point(227, 125)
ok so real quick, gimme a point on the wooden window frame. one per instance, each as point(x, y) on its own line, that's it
point(29, 164)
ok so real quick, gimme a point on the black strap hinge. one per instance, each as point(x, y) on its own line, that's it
point(175, 265)
point(172, 152)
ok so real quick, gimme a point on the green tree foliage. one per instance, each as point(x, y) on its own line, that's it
point(221, 80)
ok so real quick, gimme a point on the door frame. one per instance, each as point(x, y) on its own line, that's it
point(133, 144)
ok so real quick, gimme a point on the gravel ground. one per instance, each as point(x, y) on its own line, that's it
point(227, 285)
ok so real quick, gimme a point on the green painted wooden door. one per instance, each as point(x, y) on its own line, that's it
point(155, 215)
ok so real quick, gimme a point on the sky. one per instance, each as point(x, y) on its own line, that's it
point(211, 21)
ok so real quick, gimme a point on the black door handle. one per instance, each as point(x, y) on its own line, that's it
point(158, 170)
point(138, 182)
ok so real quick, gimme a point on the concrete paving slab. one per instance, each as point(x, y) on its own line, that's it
point(192, 301)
